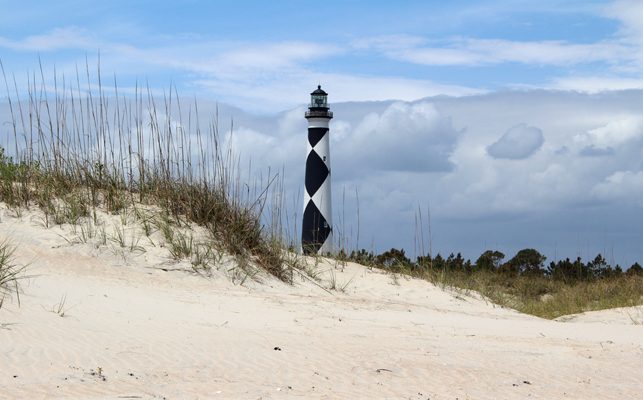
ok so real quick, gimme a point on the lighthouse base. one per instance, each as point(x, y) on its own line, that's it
point(316, 232)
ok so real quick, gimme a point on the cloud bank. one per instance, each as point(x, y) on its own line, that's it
point(404, 138)
point(576, 193)
point(537, 185)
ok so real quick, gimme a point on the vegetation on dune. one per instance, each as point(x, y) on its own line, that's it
point(79, 150)
point(523, 282)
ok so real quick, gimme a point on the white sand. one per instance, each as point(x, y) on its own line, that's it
point(131, 330)
point(614, 316)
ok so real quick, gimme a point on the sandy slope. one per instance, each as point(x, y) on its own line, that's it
point(624, 316)
point(132, 330)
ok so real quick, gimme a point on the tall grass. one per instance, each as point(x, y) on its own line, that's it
point(80, 146)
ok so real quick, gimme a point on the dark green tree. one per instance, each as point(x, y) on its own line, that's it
point(468, 267)
point(618, 271)
point(580, 269)
point(563, 270)
point(598, 268)
point(455, 262)
point(490, 260)
point(635, 269)
point(393, 259)
point(526, 262)
point(439, 262)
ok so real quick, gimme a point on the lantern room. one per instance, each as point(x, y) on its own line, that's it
point(319, 98)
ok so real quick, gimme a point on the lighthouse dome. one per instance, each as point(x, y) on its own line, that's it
point(319, 91)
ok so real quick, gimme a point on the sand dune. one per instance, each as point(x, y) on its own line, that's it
point(101, 322)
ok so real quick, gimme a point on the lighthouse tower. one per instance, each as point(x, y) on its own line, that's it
point(317, 227)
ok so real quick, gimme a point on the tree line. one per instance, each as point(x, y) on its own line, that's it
point(526, 262)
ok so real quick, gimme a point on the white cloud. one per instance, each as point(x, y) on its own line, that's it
point(595, 84)
point(621, 187)
point(519, 142)
point(548, 179)
point(347, 87)
point(390, 42)
point(247, 143)
point(630, 14)
point(474, 52)
point(248, 60)
point(286, 89)
point(613, 134)
point(405, 137)
point(56, 39)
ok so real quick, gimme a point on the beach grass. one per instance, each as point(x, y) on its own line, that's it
point(82, 147)
point(10, 272)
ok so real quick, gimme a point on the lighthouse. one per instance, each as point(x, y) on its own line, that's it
point(317, 226)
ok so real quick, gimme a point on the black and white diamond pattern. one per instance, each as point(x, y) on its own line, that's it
point(316, 172)
point(316, 236)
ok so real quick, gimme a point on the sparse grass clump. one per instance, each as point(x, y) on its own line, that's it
point(78, 150)
point(9, 272)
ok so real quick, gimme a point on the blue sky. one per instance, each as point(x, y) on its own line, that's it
point(518, 122)
point(248, 52)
